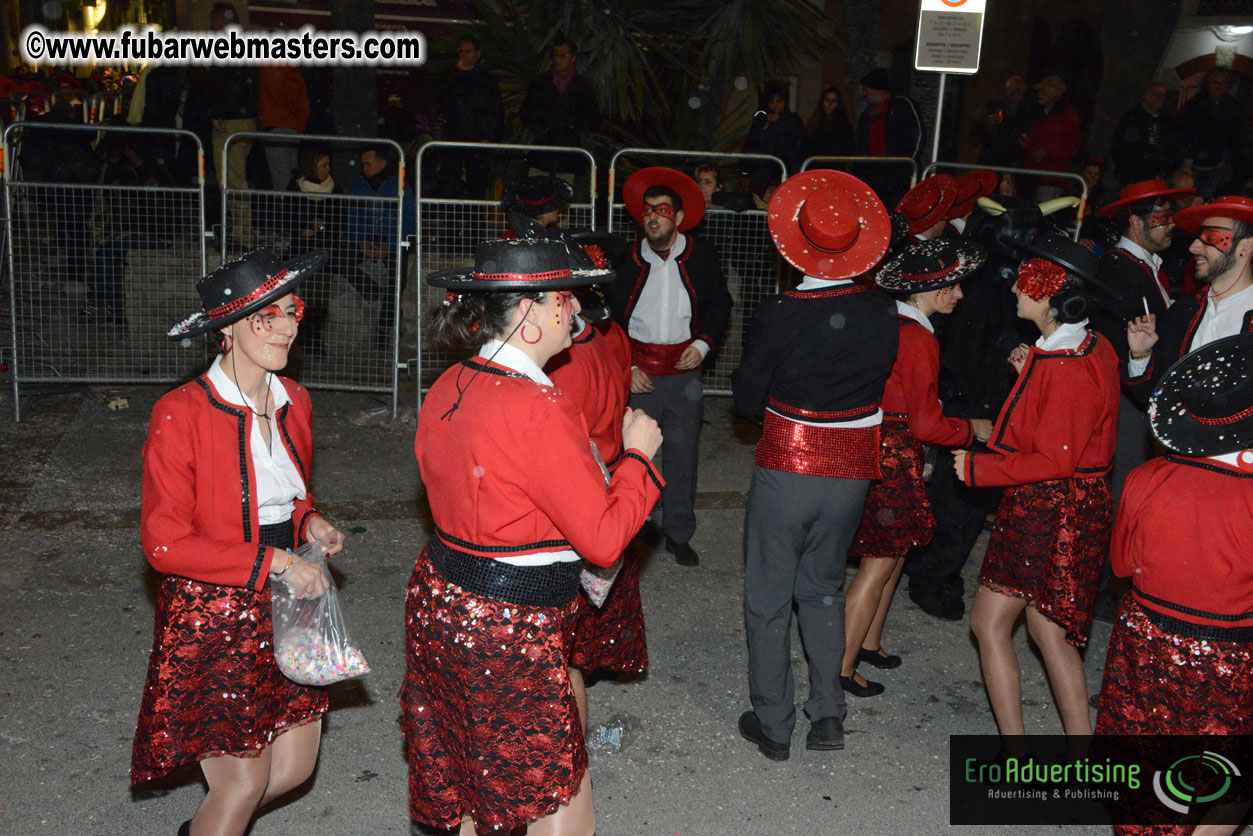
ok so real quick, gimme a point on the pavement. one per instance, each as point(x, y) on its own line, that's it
point(666, 758)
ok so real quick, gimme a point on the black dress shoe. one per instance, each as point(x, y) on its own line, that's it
point(825, 734)
point(878, 658)
point(184, 829)
point(684, 554)
point(870, 689)
point(945, 608)
point(751, 730)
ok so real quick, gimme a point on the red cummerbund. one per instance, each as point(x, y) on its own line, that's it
point(836, 452)
point(656, 359)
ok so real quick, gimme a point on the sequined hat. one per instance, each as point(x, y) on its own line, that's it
point(1232, 206)
point(970, 187)
point(928, 202)
point(687, 189)
point(930, 265)
point(518, 264)
point(1142, 192)
point(828, 224)
point(244, 286)
point(587, 252)
point(1204, 403)
point(535, 196)
point(900, 230)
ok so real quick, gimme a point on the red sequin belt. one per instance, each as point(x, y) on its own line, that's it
point(834, 452)
point(656, 359)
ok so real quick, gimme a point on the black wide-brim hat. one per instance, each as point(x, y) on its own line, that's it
point(900, 230)
point(538, 195)
point(930, 265)
point(1204, 403)
point(519, 264)
point(1062, 250)
point(244, 286)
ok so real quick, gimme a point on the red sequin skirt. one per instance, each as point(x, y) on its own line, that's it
point(898, 515)
point(490, 723)
point(611, 637)
point(213, 687)
point(1049, 544)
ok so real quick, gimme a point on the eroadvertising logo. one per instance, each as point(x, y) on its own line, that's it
point(1173, 789)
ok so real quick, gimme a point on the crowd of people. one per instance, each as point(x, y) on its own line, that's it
point(583, 357)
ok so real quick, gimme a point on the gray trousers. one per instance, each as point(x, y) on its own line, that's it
point(676, 404)
point(797, 530)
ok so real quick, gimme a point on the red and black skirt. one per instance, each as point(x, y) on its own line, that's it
point(491, 726)
point(611, 637)
point(898, 515)
point(1050, 541)
point(213, 687)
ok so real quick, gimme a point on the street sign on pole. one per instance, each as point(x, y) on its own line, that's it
point(950, 33)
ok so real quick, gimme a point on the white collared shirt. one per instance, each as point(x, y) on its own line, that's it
point(906, 309)
point(1067, 337)
point(279, 483)
point(515, 359)
point(958, 224)
point(663, 314)
point(1222, 318)
point(1152, 259)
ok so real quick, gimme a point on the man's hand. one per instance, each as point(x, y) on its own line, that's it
point(690, 359)
point(1142, 334)
point(641, 383)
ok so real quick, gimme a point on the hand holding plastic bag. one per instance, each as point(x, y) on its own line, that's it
point(311, 643)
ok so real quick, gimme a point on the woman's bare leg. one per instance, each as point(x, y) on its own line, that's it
point(1065, 670)
point(236, 787)
point(874, 636)
point(992, 621)
point(574, 819)
point(860, 602)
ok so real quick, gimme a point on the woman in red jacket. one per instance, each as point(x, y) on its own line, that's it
point(517, 497)
point(1052, 447)
point(236, 435)
point(925, 277)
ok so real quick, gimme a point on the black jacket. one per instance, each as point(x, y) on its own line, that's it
point(701, 271)
point(1145, 146)
point(471, 106)
point(1211, 130)
point(1134, 282)
point(903, 131)
point(560, 118)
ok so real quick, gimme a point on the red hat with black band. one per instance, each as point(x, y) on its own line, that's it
point(927, 203)
point(685, 187)
point(244, 286)
point(1145, 191)
point(829, 224)
point(538, 195)
point(1232, 206)
point(970, 187)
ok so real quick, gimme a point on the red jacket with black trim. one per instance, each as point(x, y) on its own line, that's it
point(1184, 564)
point(912, 390)
point(706, 287)
point(510, 471)
point(595, 372)
point(199, 509)
point(1059, 422)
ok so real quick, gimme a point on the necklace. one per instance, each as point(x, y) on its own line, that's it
point(265, 416)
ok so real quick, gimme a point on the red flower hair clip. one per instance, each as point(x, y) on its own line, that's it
point(597, 255)
point(1040, 278)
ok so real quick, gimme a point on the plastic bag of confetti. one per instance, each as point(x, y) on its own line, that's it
point(311, 642)
point(598, 580)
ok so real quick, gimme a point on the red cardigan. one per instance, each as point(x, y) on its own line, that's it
point(510, 471)
point(1184, 535)
point(1059, 421)
point(199, 511)
point(595, 372)
point(912, 390)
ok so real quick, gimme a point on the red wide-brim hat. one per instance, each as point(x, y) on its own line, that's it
point(1145, 190)
point(1232, 206)
point(829, 224)
point(928, 202)
point(970, 187)
point(687, 189)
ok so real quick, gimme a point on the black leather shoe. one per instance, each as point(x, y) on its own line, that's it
point(943, 607)
point(878, 658)
point(825, 734)
point(184, 829)
point(751, 730)
point(684, 554)
point(870, 689)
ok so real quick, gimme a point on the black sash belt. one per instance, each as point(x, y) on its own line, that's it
point(548, 585)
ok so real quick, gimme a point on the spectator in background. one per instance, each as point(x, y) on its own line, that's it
point(470, 103)
point(560, 107)
point(1004, 125)
point(231, 91)
point(776, 131)
point(316, 224)
point(888, 127)
point(1146, 141)
point(372, 229)
point(283, 108)
point(1053, 140)
point(829, 133)
point(1211, 126)
point(709, 179)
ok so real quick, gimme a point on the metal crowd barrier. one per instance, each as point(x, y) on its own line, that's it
point(350, 337)
point(1024, 173)
point(99, 272)
point(451, 223)
point(749, 260)
point(98, 107)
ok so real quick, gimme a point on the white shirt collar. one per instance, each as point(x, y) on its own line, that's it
point(815, 283)
point(1152, 259)
point(231, 393)
point(958, 224)
point(582, 327)
point(514, 358)
point(1232, 458)
point(906, 309)
point(1068, 336)
point(676, 249)
point(1241, 298)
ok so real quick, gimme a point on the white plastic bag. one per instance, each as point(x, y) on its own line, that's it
point(311, 643)
point(598, 580)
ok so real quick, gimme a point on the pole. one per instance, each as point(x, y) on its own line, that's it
point(939, 113)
